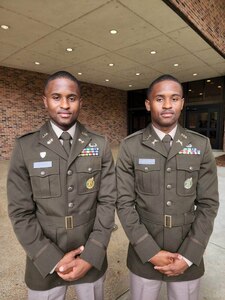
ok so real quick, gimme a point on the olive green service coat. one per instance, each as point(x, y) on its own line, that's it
point(166, 203)
point(57, 204)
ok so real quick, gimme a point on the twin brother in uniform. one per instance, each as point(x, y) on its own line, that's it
point(61, 194)
point(167, 198)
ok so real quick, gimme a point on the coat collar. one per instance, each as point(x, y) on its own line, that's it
point(151, 140)
point(49, 139)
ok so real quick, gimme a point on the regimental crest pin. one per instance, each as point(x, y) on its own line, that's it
point(188, 183)
point(90, 183)
point(42, 154)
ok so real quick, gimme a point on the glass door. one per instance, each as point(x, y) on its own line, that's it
point(205, 120)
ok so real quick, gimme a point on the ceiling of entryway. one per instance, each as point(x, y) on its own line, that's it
point(40, 32)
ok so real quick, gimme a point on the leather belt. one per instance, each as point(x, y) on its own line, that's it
point(67, 222)
point(167, 221)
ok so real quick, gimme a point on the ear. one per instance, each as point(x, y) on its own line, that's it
point(147, 105)
point(45, 101)
point(182, 104)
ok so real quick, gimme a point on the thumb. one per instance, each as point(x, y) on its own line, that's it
point(77, 251)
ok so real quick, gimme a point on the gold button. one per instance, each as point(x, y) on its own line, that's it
point(168, 170)
point(168, 203)
point(43, 173)
point(146, 168)
point(70, 204)
point(169, 186)
point(191, 168)
point(89, 170)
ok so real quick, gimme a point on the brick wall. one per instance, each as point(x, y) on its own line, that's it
point(21, 108)
point(206, 16)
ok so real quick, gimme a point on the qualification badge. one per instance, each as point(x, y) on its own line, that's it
point(90, 183)
point(188, 183)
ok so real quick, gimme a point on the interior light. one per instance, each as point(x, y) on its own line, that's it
point(138, 74)
point(5, 27)
point(130, 85)
point(79, 73)
point(69, 49)
point(219, 86)
point(113, 31)
point(107, 80)
point(176, 65)
point(37, 63)
point(111, 65)
point(208, 80)
point(195, 74)
point(153, 52)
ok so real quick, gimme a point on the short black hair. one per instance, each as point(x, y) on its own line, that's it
point(163, 78)
point(62, 74)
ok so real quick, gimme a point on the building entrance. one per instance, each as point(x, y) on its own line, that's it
point(206, 120)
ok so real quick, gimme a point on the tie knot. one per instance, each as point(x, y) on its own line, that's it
point(167, 138)
point(65, 136)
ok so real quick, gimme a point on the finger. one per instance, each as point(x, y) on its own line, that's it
point(67, 268)
point(77, 251)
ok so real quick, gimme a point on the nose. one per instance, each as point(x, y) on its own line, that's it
point(167, 103)
point(64, 103)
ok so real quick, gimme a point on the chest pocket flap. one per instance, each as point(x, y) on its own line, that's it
point(147, 173)
point(89, 173)
point(45, 179)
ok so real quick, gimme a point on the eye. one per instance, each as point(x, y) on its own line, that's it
point(159, 99)
point(55, 97)
point(73, 98)
point(176, 98)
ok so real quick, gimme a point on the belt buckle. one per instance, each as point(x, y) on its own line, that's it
point(167, 221)
point(69, 222)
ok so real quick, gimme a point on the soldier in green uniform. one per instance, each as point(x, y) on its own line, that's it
point(167, 198)
point(61, 198)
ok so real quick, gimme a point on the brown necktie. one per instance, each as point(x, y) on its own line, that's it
point(166, 141)
point(66, 137)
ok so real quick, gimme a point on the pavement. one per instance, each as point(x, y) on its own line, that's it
point(12, 259)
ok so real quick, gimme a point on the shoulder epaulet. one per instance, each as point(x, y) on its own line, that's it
point(86, 132)
point(196, 133)
point(134, 134)
point(27, 133)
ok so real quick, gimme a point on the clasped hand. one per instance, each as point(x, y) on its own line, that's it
point(168, 263)
point(71, 266)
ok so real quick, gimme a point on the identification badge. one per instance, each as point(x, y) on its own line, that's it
point(146, 161)
point(42, 164)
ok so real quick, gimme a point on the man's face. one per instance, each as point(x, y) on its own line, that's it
point(165, 103)
point(63, 101)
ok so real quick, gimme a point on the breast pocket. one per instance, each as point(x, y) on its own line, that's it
point(89, 174)
point(45, 181)
point(187, 174)
point(147, 176)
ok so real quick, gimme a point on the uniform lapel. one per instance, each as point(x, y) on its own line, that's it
point(49, 139)
point(80, 141)
point(151, 140)
point(181, 140)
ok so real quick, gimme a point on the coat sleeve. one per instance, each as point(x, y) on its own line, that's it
point(207, 203)
point(22, 212)
point(96, 245)
point(139, 237)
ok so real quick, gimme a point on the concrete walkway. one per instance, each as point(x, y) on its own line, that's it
point(12, 257)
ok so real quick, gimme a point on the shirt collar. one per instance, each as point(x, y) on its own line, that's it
point(58, 131)
point(161, 134)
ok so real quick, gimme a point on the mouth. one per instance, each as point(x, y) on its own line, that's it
point(64, 114)
point(167, 114)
